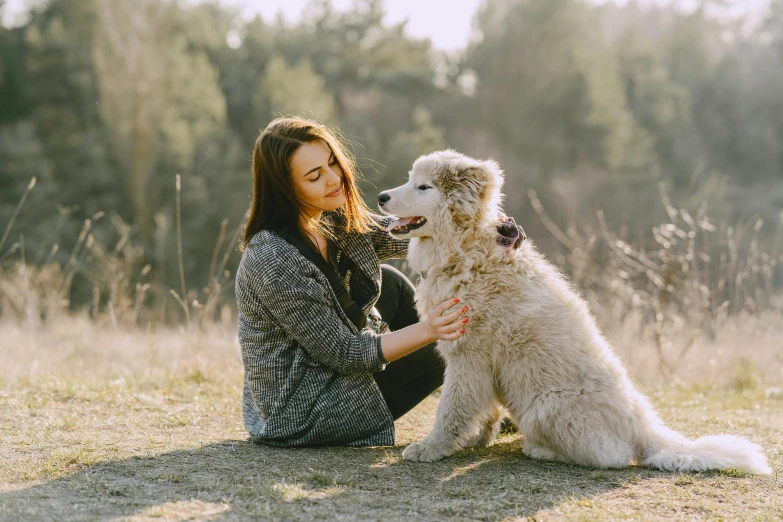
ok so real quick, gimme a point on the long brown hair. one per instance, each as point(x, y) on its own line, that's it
point(275, 205)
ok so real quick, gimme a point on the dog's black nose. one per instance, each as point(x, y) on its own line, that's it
point(383, 198)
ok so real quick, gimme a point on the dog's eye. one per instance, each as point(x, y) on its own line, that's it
point(423, 187)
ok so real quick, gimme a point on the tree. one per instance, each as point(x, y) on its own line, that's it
point(63, 92)
point(550, 89)
point(294, 90)
point(158, 99)
point(424, 138)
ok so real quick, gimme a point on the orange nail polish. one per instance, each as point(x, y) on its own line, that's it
point(456, 300)
point(462, 331)
point(465, 320)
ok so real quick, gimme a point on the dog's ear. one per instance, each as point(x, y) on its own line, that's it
point(474, 192)
point(491, 194)
point(462, 190)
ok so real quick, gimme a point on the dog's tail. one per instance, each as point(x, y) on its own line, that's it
point(670, 451)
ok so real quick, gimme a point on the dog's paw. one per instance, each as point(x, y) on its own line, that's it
point(422, 452)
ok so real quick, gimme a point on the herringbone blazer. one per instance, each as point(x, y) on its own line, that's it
point(307, 368)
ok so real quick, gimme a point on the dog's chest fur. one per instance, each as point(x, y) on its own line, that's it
point(488, 281)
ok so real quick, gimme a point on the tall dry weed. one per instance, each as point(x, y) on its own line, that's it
point(680, 285)
point(124, 289)
point(692, 290)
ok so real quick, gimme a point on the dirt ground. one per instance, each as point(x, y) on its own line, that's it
point(104, 425)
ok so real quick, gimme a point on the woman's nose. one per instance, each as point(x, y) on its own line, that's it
point(336, 175)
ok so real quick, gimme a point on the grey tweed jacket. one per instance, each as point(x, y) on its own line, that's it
point(308, 369)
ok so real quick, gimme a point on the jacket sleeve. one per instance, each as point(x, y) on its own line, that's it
point(301, 306)
point(387, 246)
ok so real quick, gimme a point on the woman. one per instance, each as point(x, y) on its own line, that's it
point(312, 377)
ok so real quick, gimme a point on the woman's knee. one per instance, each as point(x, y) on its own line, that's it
point(396, 303)
point(391, 278)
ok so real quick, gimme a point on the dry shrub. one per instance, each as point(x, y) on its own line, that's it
point(685, 286)
point(123, 289)
point(36, 294)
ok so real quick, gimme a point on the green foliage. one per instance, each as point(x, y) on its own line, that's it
point(294, 90)
point(546, 64)
point(424, 138)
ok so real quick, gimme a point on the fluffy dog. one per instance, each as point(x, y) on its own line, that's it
point(531, 345)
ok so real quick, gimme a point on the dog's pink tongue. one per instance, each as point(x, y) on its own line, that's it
point(399, 223)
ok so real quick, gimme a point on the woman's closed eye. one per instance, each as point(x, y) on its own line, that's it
point(332, 162)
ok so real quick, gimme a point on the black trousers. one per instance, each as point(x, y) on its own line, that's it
point(409, 380)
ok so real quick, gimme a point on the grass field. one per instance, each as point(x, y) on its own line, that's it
point(102, 424)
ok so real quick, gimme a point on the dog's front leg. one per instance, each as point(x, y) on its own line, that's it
point(466, 397)
point(490, 426)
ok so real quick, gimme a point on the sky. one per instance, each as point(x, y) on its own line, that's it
point(451, 31)
point(448, 23)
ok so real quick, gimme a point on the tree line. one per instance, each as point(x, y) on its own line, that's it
point(111, 105)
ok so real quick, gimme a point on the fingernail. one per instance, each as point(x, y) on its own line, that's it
point(456, 300)
point(465, 320)
point(462, 331)
point(464, 308)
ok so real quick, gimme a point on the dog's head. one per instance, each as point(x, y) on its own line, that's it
point(446, 192)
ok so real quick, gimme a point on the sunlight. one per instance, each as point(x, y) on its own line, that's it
point(178, 512)
point(294, 492)
point(459, 471)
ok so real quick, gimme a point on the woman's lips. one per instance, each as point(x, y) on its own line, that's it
point(336, 192)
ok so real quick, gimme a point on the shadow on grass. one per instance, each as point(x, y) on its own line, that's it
point(238, 479)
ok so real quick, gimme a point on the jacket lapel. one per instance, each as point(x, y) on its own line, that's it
point(359, 248)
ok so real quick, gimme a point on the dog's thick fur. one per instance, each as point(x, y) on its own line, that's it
point(531, 345)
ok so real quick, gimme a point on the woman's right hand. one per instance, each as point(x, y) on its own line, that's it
point(446, 327)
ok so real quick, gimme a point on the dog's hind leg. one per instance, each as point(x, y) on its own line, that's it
point(467, 394)
point(536, 451)
point(589, 429)
point(536, 446)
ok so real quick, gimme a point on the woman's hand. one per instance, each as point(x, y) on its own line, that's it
point(400, 343)
point(446, 327)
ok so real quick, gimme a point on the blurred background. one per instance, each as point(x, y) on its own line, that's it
point(642, 144)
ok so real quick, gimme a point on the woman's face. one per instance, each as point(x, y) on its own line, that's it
point(317, 177)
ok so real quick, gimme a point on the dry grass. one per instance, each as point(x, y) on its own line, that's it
point(107, 424)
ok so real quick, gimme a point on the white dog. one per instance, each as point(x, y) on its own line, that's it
point(531, 345)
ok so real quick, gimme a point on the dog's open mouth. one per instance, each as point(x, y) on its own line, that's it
point(405, 225)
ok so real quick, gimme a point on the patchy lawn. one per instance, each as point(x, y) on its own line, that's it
point(122, 430)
